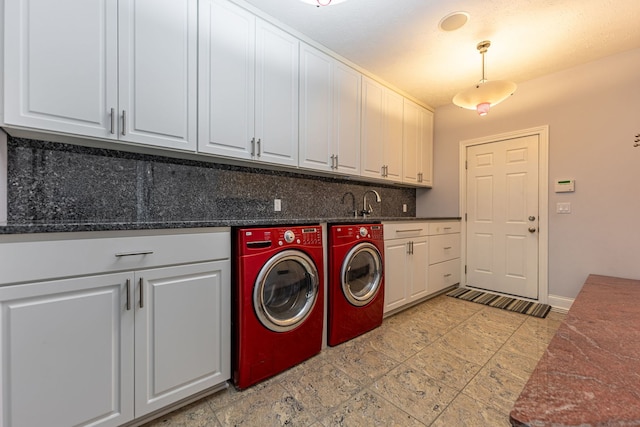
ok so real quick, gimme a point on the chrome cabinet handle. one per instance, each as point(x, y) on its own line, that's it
point(140, 283)
point(123, 254)
point(532, 229)
point(333, 161)
point(532, 218)
point(124, 122)
point(258, 143)
point(253, 147)
point(446, 248)
point(337, 164)
point(413, 230)
point(447, 275)
point(113, 121)
point(128, 291)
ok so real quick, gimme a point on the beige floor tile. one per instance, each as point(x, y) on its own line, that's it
point(474, 347)
point(415, 393)
point(368, 409)
point(402, 341)
point(527, 345)
point(446, 368)
point(454, 307)
point(197, 414)
point(517, 364)
point(467, 412)
point(321, 388)
point(270, 406)
point(542, 329)
point(502, 319)
point(358, 359)
point(496, 387)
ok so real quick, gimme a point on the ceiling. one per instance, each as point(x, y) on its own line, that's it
point(400, 42)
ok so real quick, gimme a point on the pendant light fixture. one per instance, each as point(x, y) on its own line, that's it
point(319, 3)
point(484, 95)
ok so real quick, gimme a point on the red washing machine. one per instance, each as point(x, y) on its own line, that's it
point(278, 300)
point(356, 281)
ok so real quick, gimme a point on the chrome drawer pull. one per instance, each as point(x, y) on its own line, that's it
point(128, 290)
point(447, 275)
point(123, 254)
point(446, 248)
point(409, 231)
point(140, 282)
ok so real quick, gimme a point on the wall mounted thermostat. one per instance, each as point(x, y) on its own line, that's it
point(565, 185)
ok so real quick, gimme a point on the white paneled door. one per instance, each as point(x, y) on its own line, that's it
point(502, 216)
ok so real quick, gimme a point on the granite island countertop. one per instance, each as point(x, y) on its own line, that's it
point(52, 227)
point(590, 372)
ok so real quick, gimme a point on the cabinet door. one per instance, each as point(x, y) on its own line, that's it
point(347, 103)
point(392, 134)
point(371, 154)
point(316, 110)
point(426, 148)
point(61, 65)
point(226, 79)
point(411, 140)
point(396, 274)
point(182, 331)
point(276, 129)
point(158, 72)
point(419, 265)
point(67, 352)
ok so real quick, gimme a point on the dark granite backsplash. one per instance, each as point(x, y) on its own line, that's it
point(62, 183)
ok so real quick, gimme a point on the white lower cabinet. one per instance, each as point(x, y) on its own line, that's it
point(444, 255)
point(105, 349)
point(405, 260)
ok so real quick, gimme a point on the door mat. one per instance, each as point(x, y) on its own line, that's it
point(506, 303)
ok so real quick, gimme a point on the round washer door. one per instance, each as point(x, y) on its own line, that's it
point(286, 290)
point(361, 274)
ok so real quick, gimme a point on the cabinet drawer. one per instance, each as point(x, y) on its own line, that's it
point(444, 247)
point(26, 258)
point(444, 227)
point(443, 275)
point(400, 230)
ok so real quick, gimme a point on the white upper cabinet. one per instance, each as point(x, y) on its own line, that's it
point(425, 170)
point(61, 65)
point(103, 68)
point(382, 122)
point(158, 78)
point(417, 145)
point(329, 113)
point(372, 155)
point(248, 87)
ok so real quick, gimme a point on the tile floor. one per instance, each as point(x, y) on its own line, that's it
point(445, 362)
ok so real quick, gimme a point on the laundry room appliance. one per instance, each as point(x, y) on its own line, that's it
point(356, 281)
point(278, 307)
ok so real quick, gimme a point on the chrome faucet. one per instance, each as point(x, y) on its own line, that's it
point(368, 211)
point(353, 203)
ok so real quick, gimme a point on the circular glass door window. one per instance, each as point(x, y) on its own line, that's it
point(361, 274)
point(286, 290)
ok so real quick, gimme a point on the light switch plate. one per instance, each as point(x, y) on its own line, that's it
point(277, 205)
point(563, 208)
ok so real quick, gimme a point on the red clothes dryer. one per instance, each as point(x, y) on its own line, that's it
point(278, 300)
point(356, 282)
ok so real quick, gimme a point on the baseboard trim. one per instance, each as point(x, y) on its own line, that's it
point(560, 304)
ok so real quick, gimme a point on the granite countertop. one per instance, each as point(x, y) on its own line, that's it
point(590, 373)
point(109, 226)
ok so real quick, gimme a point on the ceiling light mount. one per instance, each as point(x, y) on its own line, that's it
point(485, 94)
point(319, 3)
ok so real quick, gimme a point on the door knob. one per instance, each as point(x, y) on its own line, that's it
point(532, 229)
point(532, 218)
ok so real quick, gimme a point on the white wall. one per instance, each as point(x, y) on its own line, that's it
point(593, 113)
